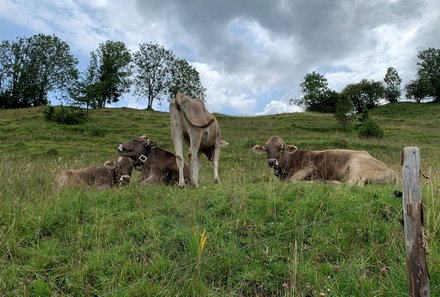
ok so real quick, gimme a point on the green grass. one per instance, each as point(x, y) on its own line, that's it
point(265, 237)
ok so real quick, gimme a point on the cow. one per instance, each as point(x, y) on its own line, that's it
point(333, 165)
point(193, 124)
point(157, 165)
point(102, 177)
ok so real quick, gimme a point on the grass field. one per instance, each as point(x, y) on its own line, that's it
point(251, 235)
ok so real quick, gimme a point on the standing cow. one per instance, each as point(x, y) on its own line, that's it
point(352, 167)
point(102, 177)
point(157, 165)
point(193, 124)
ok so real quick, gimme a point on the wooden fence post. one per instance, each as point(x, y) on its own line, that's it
point(418, 283)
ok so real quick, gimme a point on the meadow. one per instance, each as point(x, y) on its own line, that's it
point(251, 235)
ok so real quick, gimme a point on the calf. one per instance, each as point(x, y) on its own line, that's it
point(352, 167)
point(157, 165)
point(102, 177)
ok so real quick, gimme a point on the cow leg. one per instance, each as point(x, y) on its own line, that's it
point(177, 136)
point(193, 152)
point(153, 176)
point(301, 175)
point(215, 163)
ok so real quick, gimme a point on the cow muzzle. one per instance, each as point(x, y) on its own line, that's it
point(273, 163)
point(124, 179)
point(120, 148)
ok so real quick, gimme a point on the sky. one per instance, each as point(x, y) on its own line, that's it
point(251, 55)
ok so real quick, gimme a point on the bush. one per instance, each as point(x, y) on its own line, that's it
point(370, 128)
point(344, 112)
point(68, 116)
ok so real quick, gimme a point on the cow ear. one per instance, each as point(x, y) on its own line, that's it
point(259, 149)
point(291, 148)
point(110, 165)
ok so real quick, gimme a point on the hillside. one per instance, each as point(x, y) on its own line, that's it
point(264, 237)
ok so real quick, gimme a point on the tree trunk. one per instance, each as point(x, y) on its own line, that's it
point(150, 104)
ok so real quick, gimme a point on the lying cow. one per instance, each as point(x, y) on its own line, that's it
point(352, 167)
point(102, 177)
point(193, 124)
point(157, 165)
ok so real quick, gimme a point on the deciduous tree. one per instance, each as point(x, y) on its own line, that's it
point(107, 76)
point(185, 79)
point(316, 94)
point(153, 72)
point(428, 72)
point(392, 85)
point(364, 95)
point(32, 67)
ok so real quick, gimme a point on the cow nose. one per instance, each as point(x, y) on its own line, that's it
point(125, 178)
point(120, 148)
point(272, 162)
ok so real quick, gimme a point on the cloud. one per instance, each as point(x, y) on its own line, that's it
point(250, 54)
point(277, 107)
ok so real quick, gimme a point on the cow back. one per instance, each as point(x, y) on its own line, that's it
point(194, 111)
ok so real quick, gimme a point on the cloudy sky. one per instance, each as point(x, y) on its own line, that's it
point(251, 54)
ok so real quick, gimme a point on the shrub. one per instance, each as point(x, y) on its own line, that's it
point(68, 116)
point(344, 112)
point(370, 128)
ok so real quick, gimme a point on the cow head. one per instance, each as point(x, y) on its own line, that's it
point(137, 149)
point(121, 169)
point(277, 151)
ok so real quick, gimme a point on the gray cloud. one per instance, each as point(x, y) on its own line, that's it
point(252, 54)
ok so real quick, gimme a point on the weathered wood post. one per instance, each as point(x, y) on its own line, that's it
point(418, 282)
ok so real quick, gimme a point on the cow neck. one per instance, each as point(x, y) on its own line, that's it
point(283, 171)
point(144, 156)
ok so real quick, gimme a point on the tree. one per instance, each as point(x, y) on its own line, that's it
point(107, 76)
point(428, 73)
point(316, 94)
point(153, 72)
point(364, 95)
point(418, 89)
point(344, 112)
point(392, 85)
point(32, 67)
point(185, 79)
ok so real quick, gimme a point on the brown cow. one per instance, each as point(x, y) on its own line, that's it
point(157, 165)
point(193, 124)
point(352, 167)
point(102, 177)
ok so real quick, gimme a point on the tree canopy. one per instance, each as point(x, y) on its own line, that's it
point(427, 82)
point(316, 94)
point(32, 67)
point(107, 76)
point(364, 95)
point(159, 75)
point(185, 79)
point(392, 82)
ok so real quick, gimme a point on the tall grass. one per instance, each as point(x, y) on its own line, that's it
point(264, 237)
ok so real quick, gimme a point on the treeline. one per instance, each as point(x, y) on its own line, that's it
point(33, 67)
point(359, 98)
point(366, 94)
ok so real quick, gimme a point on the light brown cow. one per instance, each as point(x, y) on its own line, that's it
point(352, 167)
point(193, 124)
point(102, 177)
point(157, 165)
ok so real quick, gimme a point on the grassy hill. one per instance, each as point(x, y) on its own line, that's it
point(264, 237)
